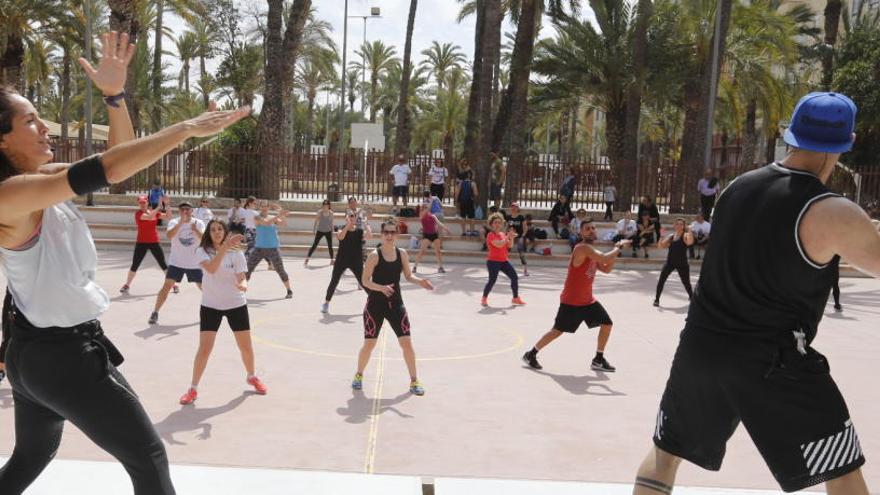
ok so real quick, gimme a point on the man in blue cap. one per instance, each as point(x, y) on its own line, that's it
point(745, 354)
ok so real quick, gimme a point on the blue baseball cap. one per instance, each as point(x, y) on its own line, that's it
point(822, 122)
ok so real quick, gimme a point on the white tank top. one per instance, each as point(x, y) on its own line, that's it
point(53, 281)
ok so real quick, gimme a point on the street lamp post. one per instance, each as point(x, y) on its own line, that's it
point(713, 88)
point(342, 100)
point(375, 13)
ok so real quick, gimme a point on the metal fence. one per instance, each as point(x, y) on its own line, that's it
point(217, 171)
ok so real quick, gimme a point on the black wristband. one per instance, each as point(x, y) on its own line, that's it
point(87, 175)
point(113, 100)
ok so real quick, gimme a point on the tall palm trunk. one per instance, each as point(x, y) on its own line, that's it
point(374, 90)
point(572, 130)
point(472, 125)
point(310, 117)
point(402, 139)
point(124, 20)
point(156, 86)
point(65, 95)
point(490, 44)
point(697, 93)
point(186, 76)
point(203, 79)
point(518, 95)
point(751, 134)
point(832, 23)
point(281, 55)
point(12, 61)
point(627, 169)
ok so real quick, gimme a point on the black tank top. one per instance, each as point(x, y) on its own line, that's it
point(756, 279)
point(350, 246)
point(388, 273)
point(677, 255)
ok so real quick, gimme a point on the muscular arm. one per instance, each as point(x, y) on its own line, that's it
point(583, 252)
point(121, 130)
point(839, 226)
point(367, 277)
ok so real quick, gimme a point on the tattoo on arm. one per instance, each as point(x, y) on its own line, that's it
point(655, 485)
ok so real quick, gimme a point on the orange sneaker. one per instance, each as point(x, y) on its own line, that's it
point(484, 301)
point(258, 385)
point(517, 301)
point(189, 397)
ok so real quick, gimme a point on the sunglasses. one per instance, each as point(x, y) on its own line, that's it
point(389, 232)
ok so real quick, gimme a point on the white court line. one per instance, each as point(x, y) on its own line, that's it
point(109, 478)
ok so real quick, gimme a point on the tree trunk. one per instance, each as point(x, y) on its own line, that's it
point(615, 135)
point(65, 95)
point(310, 117)
point(518, 95)
point(203, 80)
point(751, 135)
point(124, 20)
point(832, 23)
point(562, 136)
point(12, 62)
point(697, 93)
point(186, 76)
point(374, 87)
point(402, 139)
point(472, 125)
point(490, 44)
point(281, 55)
point(627, 171)
point(572, 131)
point(156, 84)
point(771, 147)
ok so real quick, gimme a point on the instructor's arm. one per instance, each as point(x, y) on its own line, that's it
point(839, 226)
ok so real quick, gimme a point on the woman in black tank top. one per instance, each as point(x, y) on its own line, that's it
point(676, 259)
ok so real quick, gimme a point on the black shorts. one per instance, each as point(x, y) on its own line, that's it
point(378, 310)
point(569, 318)
point(789, 404)
point(467, 209)
point(429, 237)
point(237, 318)
point(400, 191)
point(193, 275)
point(494, 192)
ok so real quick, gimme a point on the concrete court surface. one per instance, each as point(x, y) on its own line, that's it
point(484, 415)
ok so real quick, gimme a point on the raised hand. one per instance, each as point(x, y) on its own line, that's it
point(233, 241)
point(116, 53)
point(212, 122)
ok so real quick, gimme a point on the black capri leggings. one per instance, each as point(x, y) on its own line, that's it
point(354, 263)
point(438, 190)
point(90, 393)
point(273, 256)
point(501, 266)
point(4, 328)
point(140, 251)
point(318, 236)
point(684, 272)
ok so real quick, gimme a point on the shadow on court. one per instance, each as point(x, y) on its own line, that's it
point(582, 385)
point(359, 407)
point(165, 331)
point(193, 418)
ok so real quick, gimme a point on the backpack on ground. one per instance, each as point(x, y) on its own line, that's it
point(540, 234)
point(407, 213)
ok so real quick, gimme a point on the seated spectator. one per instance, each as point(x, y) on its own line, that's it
point(561, 215)
point(627, 229)
point(530, 237)
point(647, 205)
point(575, 227)
point(700, 229)
point(647, 228)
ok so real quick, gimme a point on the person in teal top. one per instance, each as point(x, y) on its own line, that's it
point(267, 245)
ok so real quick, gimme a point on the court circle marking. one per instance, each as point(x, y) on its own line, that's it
point(516, 336)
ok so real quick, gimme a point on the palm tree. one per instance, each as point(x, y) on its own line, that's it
point(401, 141)
point(314, 74)
point(442, 57)
point(281, 53)
point(23, 21)
point(352, 79)
point(491, 45)
point(378, 58)
point(123, 18)
point(205, 40)
point(833, 9)
point(36, 70)
point(240, 74)
point(187, 50)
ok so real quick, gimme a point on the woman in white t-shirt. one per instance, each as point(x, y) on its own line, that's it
point(249, 214)
point(438, 179)
point(223, 294)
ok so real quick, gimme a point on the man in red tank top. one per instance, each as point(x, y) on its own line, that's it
point(577, 304)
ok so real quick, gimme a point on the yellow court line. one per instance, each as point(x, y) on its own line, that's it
point(373, 436)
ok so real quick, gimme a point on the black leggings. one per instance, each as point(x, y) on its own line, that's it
point(140, 250)
point(354, 263)
point(438, 190)
point(91, 394)
point(501, 266)
point(4, 328)
point(684, 272)
point(318, 236)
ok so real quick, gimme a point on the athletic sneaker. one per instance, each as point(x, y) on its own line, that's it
point(656, 303)
point(2, 375)
point(176, 289)
point(189, 397)
point(415, 268)
point(416, 388)
point(517, 301)
point(484, 301)
point(358, 382)
point(257, 384)
point(441, 270)
point(289, 294)
point(325, 307)
point(838, 308)
point(154, 318)
point(531, 359)
point(306, 262)
point(602, 364)
point(124, 289)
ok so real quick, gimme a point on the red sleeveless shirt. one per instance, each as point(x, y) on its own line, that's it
point(578, 289)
